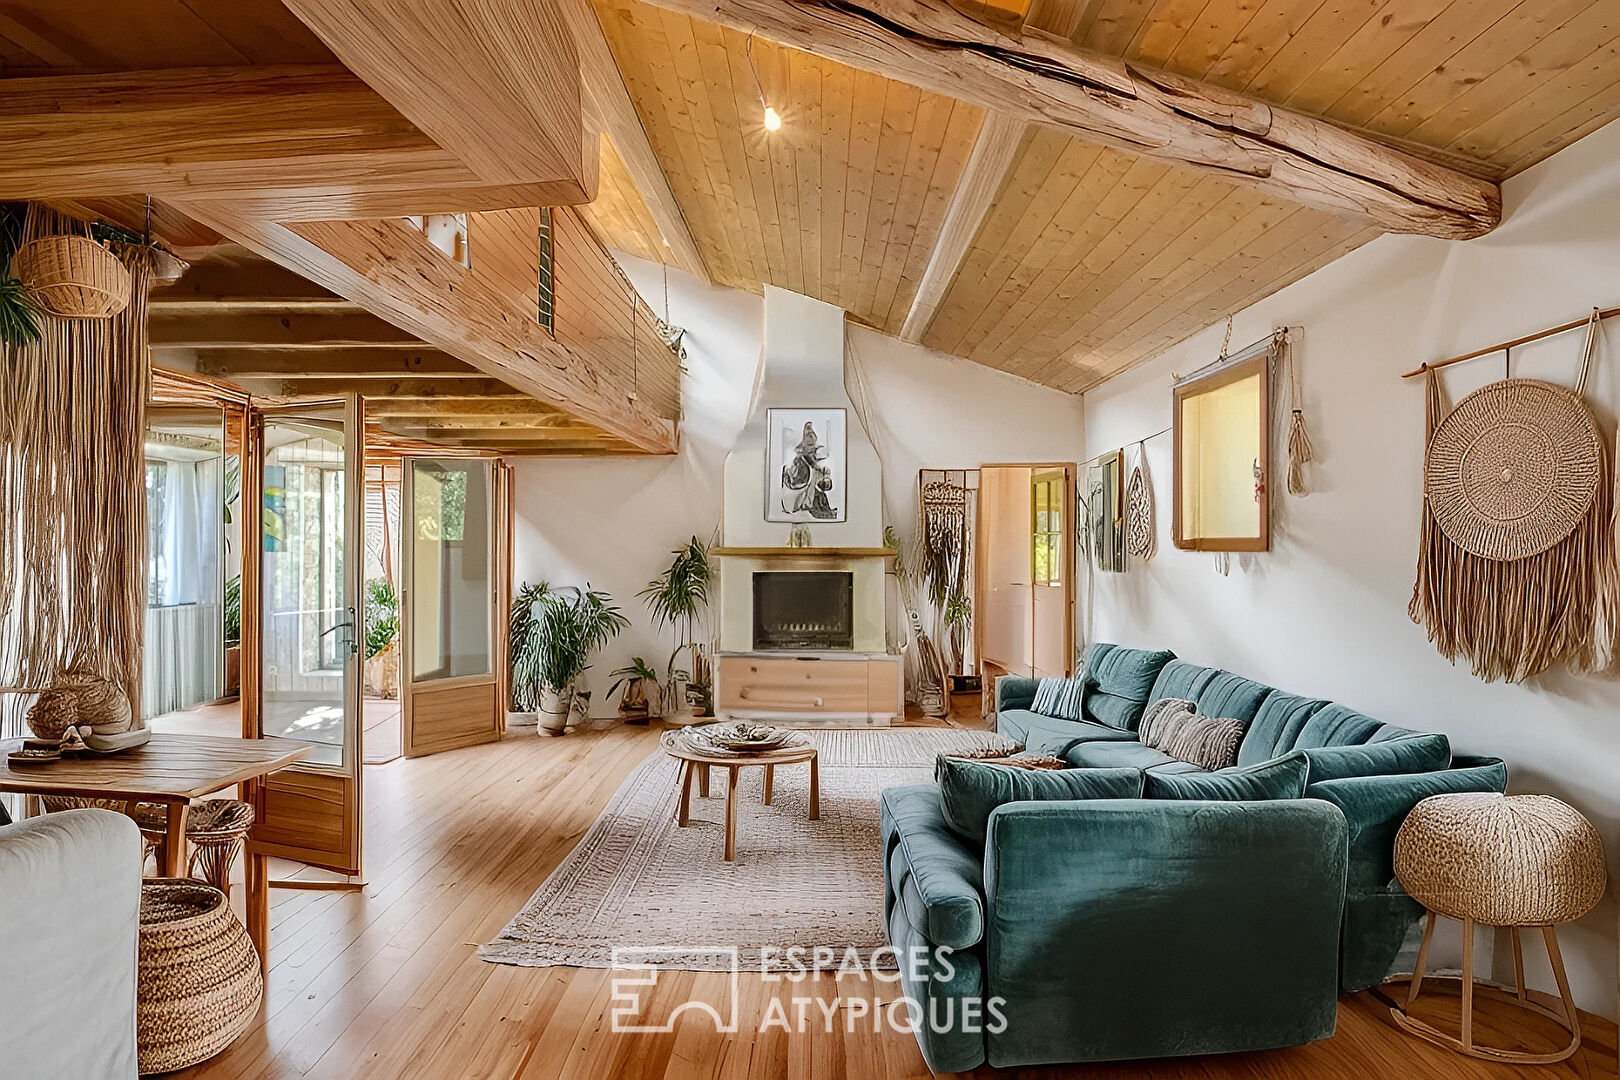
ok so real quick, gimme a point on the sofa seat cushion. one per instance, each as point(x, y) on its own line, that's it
point(1283, 778)
point(1050, 735)
point(969, 790)
point(1414, 753)
point(1119, 683)
point(934, 878)
point(1117, 755)
point(1276, 727)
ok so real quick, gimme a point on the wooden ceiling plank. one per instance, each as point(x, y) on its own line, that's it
point(960, 138)
point(494, 82)
point(1265, 34)
point(995, 148)
point(1391, 26)
point(1574, 123)
point(804, 81)
point(1165, 29)
point(394, 272)
point(512, 407)
point(293, 142)
point(837, 113)
point(604, 93)
point(723, 169)
point(914, 228)
point(191, 330)
point(933, 46)
point(352, 364)
point(900, 120)
point(1113, 25)
point(1211, 34)
point(619, 214)
point(1327, 30)
point(446, 389)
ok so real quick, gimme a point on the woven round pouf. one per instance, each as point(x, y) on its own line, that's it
point(1514, 861)
point(200, 983)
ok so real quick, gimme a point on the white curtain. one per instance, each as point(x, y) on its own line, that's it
point(184, 656)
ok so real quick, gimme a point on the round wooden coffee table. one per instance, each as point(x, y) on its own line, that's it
point(694, 760)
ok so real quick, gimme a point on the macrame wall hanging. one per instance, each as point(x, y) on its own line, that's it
point(1516, 560)
point(1299, 436)
point(1139, 524)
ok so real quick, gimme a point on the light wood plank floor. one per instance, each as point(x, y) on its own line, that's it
point(386, 983)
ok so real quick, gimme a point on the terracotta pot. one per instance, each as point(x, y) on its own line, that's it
point(554, 708)
point(233, 671)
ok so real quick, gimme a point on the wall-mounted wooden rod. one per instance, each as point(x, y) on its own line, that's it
point(1606, 313)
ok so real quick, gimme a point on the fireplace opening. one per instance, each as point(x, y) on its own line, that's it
point(804, 610)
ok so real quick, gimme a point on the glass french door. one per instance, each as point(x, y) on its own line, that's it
point(308, 496)
point(450, 685)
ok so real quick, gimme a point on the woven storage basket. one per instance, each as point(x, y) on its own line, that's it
point(1501, 860)
point(200, 983)
point(73, 277)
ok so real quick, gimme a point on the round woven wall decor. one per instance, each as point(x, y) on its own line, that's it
point(1513, 469)
point(1139, 515)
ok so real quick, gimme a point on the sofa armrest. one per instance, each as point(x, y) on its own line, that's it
point(1015, 692)
point(1090, 904)
point(1375, 807)
point(932, 873)
point(70, 893)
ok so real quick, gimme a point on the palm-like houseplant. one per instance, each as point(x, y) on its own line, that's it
point(19, 313)
point(677, 598)
point(636, 706)
point(525, 647)
point(569, 625)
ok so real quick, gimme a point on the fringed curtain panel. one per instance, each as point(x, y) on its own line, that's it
point(73, 559)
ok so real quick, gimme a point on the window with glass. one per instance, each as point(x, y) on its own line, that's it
point(1047, 533)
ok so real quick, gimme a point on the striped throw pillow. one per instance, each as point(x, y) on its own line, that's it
point(1059, 697)
point(1162, 720)
point(1209, 742)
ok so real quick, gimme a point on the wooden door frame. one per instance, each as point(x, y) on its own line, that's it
point(1070, 471)
point(351, 784)
point(496, 584)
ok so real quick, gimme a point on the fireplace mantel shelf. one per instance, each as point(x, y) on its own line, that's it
point(804, 552)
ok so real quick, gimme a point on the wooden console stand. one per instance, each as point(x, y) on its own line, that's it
point(811, 690)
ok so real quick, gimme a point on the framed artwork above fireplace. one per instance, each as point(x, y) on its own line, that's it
point(805, 465)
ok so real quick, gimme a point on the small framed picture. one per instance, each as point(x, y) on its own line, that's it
point(805, 465)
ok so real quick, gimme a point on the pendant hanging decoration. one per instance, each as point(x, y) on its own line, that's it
point(1300, 452)
point(1139, 523)
point(1516, 560)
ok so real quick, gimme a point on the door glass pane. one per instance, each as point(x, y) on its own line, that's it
point(308, 626)
point(186, 495)
point(450, 594)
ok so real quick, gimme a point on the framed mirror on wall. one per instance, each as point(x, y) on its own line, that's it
point(1105, 511)
point(1221, 418)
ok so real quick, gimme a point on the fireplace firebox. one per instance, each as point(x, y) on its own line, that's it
point(804, 610)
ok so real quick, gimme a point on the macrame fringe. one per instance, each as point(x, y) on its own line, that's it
point(1299, 453)
point(1514, 619)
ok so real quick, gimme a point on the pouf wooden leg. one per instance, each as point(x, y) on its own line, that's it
point(683, 811)
point(770, 782)
point(731, 814)
point(1565, 1016)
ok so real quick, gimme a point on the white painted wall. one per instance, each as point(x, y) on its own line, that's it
point(614, 521)
point(1324, 613)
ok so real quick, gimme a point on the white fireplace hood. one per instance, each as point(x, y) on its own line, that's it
point(802, 368)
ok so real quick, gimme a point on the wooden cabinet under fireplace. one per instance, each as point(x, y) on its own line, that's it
point(835, 691)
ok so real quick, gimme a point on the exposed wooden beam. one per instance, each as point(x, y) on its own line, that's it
point(399, 276)
point(987, 166)
point(1106, 100)
point(361, 364)
point(524, 409)
point(440, 389)
point(612, 110)
point(188, 330)
point(495, 82)
point(298, 142)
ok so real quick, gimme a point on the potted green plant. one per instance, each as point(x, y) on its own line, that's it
point(233, 637)
point(637, 704)
point(524, 649)
point(569, 625)
point(19, 312)
point(677, 598)
point(382, 633)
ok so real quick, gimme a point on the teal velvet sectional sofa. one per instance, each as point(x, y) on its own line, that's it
point(1132, 928)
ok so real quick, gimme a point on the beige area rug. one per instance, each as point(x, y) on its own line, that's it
point(638, 882)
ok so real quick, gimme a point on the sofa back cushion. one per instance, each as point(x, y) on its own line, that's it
point(1119, 683)
point(1276, 726)
point(969, 790)
point(1283, 778)
point(1411, 753)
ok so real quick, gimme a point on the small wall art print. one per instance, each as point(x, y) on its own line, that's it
point(805, 465)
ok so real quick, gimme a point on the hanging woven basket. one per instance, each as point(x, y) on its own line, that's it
point(1514, 468)
point(73, 277)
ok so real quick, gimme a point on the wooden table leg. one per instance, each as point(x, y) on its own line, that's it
point(174, 841)
point(731, 813)
point(683, 812)
point(770, 780)
point(1468, 985)
point(815, 789)
point(258, 904)
point(703, 779)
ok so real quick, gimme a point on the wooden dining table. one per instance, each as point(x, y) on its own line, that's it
point(172, 770)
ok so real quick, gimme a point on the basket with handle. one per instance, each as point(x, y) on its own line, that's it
point(69, 274)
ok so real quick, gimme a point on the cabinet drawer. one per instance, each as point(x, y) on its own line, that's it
point(834, 686)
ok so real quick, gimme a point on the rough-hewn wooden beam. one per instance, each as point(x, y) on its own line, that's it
point(445, 388)
point(518, 409)
point(334, 362)
point(1109, 101)
point(396, 274)
point(250, 331)
point(612, 110)
point(987, 165)
point(495, 82)
point(296, 142)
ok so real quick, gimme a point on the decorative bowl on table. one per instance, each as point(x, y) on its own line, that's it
point(741, 737)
